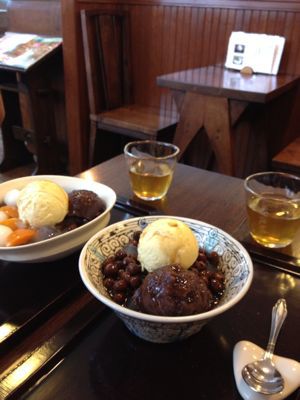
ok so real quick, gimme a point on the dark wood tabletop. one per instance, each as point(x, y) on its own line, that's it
point(72, 347)
point(245, 117)
point(216, 80)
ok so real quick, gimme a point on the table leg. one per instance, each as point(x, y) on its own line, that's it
point(43, 120)
point(213, 114)
point(190, 121)
point(217, 124)
point(14, 151)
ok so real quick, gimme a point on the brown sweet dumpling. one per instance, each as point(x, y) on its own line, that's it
point(85, 204)
point(173, 291)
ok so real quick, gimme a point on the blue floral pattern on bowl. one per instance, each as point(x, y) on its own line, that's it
point(234, 262)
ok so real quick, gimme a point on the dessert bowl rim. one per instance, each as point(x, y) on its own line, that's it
point(65, 234)
point(159, 318)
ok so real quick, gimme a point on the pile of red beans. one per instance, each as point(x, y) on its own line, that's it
point(123, 274)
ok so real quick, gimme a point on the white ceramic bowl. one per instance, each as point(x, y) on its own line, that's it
point(66, 243)
point(235, 262)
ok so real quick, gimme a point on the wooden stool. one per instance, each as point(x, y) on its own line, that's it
point(288, 159)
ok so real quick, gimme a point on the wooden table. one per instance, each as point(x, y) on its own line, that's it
point(32, 131)
point(214, 98)
point(75, 348)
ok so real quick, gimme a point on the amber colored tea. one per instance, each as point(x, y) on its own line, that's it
point(273, 221)
point(150, 184)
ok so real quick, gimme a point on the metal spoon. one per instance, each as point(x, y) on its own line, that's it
point(262, 375)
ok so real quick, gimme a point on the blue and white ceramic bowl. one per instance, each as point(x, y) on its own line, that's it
point(235, 262)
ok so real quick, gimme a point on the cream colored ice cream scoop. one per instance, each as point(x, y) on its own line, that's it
point(167, 241)
point(42, 203)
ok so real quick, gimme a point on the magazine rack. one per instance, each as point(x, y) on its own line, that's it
point(30, 87)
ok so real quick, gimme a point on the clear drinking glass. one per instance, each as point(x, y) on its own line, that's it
point(273, 207)
point(151, 165)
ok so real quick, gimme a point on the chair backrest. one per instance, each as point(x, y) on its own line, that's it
point(107, 58)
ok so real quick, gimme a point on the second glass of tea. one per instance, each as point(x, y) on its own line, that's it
point(273, 207)
point(151, 165)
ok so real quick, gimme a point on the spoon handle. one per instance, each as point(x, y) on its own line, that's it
point(279, 313)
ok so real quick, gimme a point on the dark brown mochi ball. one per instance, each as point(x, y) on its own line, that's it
point(85, 204)
point(173, 291)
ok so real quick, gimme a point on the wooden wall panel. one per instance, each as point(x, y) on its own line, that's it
point(171, 38)
point(44, 16)
point(169, 35)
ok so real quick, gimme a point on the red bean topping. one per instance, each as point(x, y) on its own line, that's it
point(120, 285)
point(127, 260)
point(119, 297)
point(110, 259)
point(119, 264)
point(108, 283)
point(209, 274)
point(204, 276)
point(202, 257)
point(123, 275)
point(200, 265)
point(218, 275)
point(216, 285)
point(133, 269)
point(213, 258)
point(135, 281)
point(136, 235)
point(121, 272)
point(120, 254)
point(110, 270)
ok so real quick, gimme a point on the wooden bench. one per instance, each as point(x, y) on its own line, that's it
point(288, 159)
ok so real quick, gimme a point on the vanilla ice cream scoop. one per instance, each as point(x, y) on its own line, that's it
point(42, 203)
point(167, 241)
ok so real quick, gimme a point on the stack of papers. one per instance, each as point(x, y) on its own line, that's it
point(260, 52)
point(22, 50)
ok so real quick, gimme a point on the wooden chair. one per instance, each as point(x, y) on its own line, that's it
point(288, 159)
point(109, 83)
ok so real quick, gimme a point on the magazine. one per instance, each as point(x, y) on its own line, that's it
point(22, 50)
point(261, 52)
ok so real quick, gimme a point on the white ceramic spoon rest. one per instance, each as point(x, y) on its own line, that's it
point(245, 352)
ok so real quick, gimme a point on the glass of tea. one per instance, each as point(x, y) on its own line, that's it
point(273, 207)
point(151, 165)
